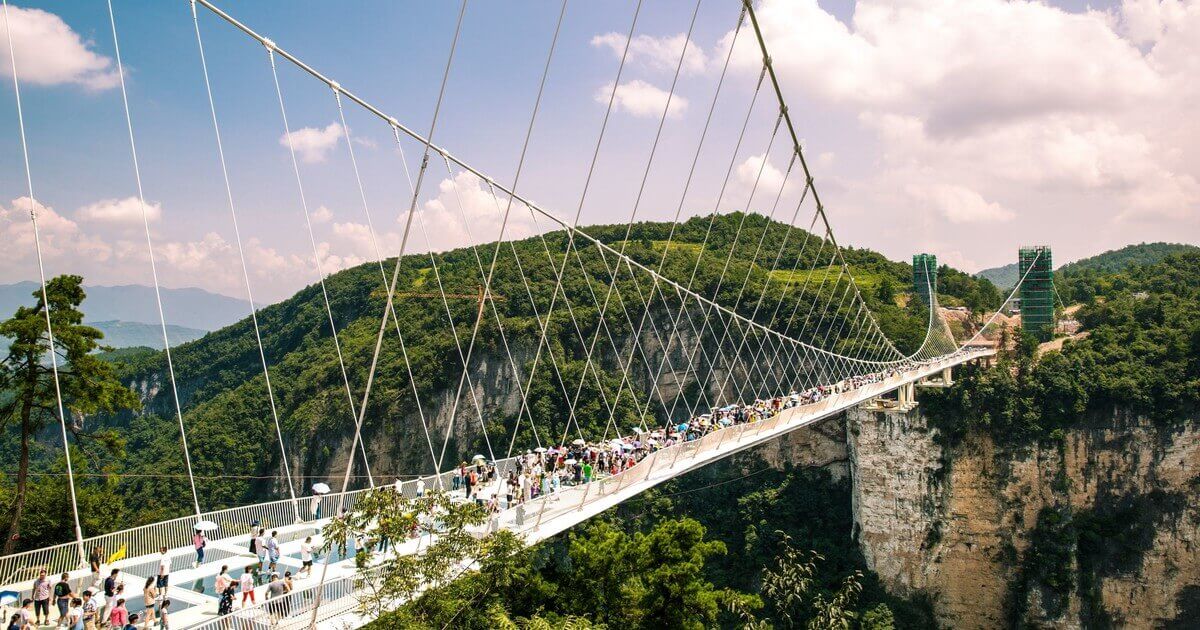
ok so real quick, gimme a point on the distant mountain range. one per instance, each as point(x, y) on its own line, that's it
point(128, 315)
point(1006, 277)
point(118, 334)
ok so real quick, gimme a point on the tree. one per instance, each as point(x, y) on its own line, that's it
point(886, 291)
point(87, 384)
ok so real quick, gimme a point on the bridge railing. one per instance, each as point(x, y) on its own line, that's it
point(294, 610)
point(176, 534)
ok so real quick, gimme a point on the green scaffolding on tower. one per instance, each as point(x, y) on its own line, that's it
point(925, 273)
point(1036, 266)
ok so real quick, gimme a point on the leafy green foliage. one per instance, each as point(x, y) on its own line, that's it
point(32, 386)
point(1141, 354)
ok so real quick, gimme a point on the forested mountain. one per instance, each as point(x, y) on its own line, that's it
point(1112, 261)
point(236, 457)
point(1004, 276)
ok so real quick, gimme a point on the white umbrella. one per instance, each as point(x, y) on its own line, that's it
point(570, 461)
point(477, 457)
point(205, 526)
point(321, 488)
point(627, 447)
point(540, 449)
point(616, 441)
point(579, 442)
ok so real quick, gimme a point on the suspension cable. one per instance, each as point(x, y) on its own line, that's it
point(412, 208)
point(237, 233)
point(318, 266)
point(37, 243)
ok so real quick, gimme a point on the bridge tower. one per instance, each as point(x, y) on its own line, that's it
point(1037, 291)
point(925, 270)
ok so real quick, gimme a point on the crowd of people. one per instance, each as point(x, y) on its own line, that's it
point(103, 605)
point(544, 471)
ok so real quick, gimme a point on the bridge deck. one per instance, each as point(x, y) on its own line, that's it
point(191, 590)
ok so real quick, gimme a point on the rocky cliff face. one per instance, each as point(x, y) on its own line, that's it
point(1099, 529)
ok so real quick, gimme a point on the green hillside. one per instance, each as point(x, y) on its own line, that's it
point(1111, 261)
point(1004, 277)
point(236, 457)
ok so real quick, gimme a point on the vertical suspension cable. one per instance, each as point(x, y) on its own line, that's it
point(412, 208)
point(237, 234)
point(162, 318)
point(586, 186)
point(37, 243)
point(362, 193)
point(312, 239)
point(612, 285)
point(487, 283)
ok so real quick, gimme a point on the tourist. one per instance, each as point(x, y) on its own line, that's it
point(222, 580)
point(131, 624)
point(225, 591)
point(276, 589)
point(420, 487)
point(164, 570)
point(100, 604)
point(62, 597)
point(15, 622)
point(306, 556)
point(199, 541)
point(314, 508)
point(118, 617)
point(110, 590)
point(95, 559)
point(89, 611)
point(75, 614)
point(150, 599)
point(246, 582)
point(163, 617)
point(25, 612)
point(41, 598)
point(273, 550)
point(261, 547)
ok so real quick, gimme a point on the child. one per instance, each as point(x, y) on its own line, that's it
point(247, 584)
point(163, 621)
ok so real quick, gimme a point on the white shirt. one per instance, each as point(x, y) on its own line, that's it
point(164, 565)
point(306, 551)
point(247, 582)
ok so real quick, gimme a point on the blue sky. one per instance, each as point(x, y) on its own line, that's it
point(930, 126)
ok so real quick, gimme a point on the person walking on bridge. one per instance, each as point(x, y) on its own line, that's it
point(199, 541)
point(41, 598)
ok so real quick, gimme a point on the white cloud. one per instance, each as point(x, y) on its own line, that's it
point(1146, 21)
point(50, 53)
point(1002, 112)
point(657, 53)
point(321, 215)
point(122, 212)
point(960, 205)
point(642, 99)
point(313, 144)
point(61, 238)
point(769, 181)
point(449, 224)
